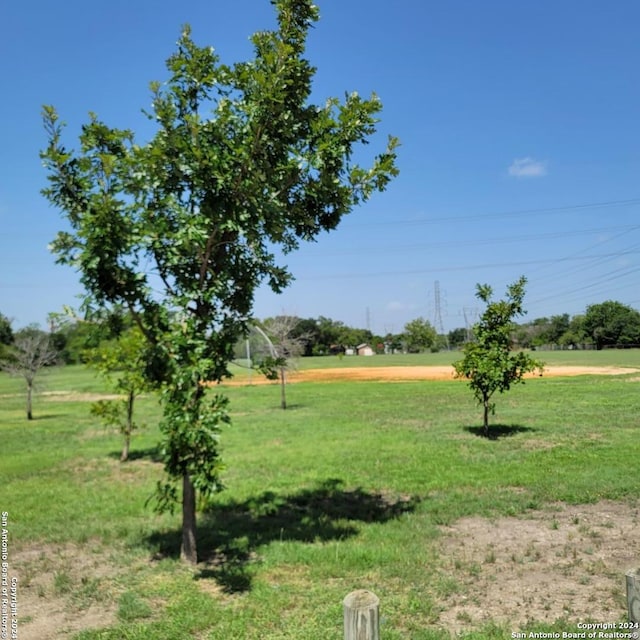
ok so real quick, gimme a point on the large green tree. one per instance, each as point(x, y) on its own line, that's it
point(612, 323)
point(6, 334)
point(181, 229)
point(489, 363)
point(419, 335)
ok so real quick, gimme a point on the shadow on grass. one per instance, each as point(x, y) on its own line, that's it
point(229, 535)
point(152, 454)
point(38, 417)
point(497, 431)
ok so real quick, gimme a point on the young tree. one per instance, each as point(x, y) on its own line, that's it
point(32, 351)
point(283, 348)
point(121, 361)
point(489, 363)
point(180, 230)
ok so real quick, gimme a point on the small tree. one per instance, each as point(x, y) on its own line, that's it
point(283, 349)
point(489, 363)
point(32, 351)
point(122, 363)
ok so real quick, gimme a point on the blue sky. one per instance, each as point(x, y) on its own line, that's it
point(520, 146)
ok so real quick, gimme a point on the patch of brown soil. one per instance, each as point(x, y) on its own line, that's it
point(398, 374)
point(565, 562)
point(62, 589)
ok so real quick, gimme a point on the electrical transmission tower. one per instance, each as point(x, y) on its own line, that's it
point(470, 317)
point(438, 312)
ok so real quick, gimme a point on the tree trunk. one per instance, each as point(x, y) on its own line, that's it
point(124, 456)
point(29, 401)
point(283, 393)
point(486, 416)
point(188, 550)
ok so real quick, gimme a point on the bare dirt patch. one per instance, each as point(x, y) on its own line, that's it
point(564, 562)
point(399, 374)
point(63, 589)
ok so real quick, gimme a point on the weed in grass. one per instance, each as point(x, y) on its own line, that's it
point(131, 607)
point(463, 616)
point(62, 583)
point(532, 553)
point(87, 592)
point(490, 556)
point(446, 586)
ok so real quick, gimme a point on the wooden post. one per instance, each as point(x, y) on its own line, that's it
point(633, 595)
point(361, 616)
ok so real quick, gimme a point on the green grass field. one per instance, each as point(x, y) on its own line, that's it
point(346, 489)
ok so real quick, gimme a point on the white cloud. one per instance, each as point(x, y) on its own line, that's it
point(527, 168)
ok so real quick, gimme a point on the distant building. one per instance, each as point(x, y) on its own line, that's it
point(364, 350)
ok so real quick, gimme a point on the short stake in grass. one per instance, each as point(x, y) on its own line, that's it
point(488, 363)
point(633, 595)
point(361, 616)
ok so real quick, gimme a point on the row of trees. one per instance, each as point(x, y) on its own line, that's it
point(324, 336)
point(608, 324)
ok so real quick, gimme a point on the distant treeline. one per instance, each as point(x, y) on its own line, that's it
point(609, 324)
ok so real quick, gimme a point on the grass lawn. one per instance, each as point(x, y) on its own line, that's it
point(346, 489)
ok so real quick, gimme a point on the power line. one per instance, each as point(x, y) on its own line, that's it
point(478, 242)
point(472, 267)
point(503, 214)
